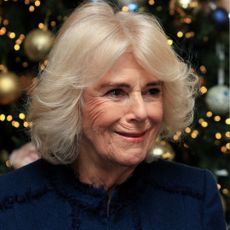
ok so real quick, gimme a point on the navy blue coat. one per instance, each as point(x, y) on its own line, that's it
point(159, 196)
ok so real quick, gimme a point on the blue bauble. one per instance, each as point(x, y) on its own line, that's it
point(220, 16)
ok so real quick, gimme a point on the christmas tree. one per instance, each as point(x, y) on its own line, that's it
point(197, 29)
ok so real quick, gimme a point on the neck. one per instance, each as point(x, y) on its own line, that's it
point(104, 174)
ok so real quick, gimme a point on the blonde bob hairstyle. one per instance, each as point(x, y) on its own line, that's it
point(87, 46)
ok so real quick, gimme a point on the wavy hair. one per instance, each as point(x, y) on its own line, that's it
point(90, 41)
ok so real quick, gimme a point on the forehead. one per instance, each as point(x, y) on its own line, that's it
point(127, 69)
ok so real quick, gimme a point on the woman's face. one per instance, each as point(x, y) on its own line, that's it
point(122, 114)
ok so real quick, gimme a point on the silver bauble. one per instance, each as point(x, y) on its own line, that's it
point(217, 99)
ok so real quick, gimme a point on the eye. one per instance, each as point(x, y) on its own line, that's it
point(116, 92)
point(153, 91)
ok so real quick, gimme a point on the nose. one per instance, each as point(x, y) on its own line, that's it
point(137, 108)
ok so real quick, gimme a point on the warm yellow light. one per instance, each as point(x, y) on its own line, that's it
point(223, 149)
point(209, 114)
point(203, 90)
point(22, 116)
point(18, 41)
point(227, 134)
point(201, 120)
point(228, 146)
point(125, 9)
point(27, 2)
point(2, 31)
point(188, 130)
point(203, 69)
point(227, 121)
point(187, 20)
point(180, 34)
point(218, 136)
point(178, 133)
point(218, 186)
point(15, 124)
point(204, 124)
point(9, 118)
point(22, 36)
point(2, 117)
point(151, 2)
point(217, 118)
point(11, 35)
point(26, 124)
point(16, 47)
point(31, 9)
point(37, 3)
point(41, 25)
point(225, 191)
point(194, 134)
point(189, 34)
point(170, 42)
point(176, 137)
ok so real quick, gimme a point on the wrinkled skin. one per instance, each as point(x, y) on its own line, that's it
point(122, 114)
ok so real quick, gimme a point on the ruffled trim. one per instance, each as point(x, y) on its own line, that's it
point(27, 197)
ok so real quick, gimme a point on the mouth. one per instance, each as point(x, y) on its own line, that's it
point(133, 137)
point(139, 134)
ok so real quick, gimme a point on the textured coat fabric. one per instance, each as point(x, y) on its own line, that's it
point(158, 196)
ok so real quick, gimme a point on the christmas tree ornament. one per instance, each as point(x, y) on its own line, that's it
point(132, 5)
point(220, 16)
point(162, 149)
point(9, 88)
point(38, 44)
point(217, 99)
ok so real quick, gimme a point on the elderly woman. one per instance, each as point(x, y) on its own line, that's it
point(111, 87)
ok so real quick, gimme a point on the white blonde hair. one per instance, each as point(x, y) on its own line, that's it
point(87, 46)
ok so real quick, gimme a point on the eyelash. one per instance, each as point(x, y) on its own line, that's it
point(153, 91)
point(117, 92)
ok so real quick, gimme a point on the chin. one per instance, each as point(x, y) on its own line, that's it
point(131, 162)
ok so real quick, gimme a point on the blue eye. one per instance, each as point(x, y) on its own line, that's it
point(115, 92)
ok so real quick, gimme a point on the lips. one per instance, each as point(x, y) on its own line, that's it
point(132, 135)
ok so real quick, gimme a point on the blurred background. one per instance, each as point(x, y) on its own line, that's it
point(197, 29)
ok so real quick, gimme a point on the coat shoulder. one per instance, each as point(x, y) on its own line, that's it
point(180, 178)
point(24, 183)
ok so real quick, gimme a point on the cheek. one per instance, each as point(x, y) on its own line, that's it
point(93, 110)
point(156, 113)
point(99, 114)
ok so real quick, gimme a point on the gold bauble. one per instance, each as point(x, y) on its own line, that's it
point(163, 150)
point(38, 44)
point(9, 88)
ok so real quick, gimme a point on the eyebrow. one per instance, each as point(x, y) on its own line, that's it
point(124, 85)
